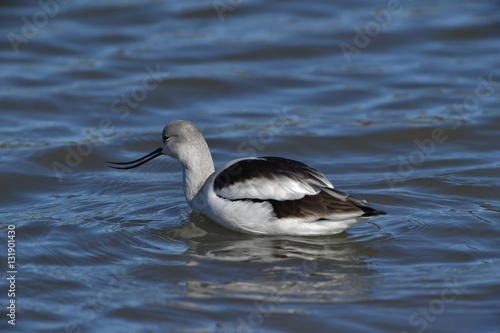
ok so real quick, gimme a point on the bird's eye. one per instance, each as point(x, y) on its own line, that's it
point(165, 138)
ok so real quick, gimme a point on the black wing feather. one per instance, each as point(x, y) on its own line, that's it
point(326, 203)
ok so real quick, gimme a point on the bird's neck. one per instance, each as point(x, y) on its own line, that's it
point(197, 167)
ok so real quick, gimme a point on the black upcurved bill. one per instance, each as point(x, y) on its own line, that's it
point(139, 161)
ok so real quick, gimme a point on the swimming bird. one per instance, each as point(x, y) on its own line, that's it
point(256, 195)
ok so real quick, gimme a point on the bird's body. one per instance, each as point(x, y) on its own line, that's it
point(258, 195)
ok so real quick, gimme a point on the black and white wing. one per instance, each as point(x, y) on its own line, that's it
point(294, 189)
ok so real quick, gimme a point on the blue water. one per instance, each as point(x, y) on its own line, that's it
point(395, 102)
